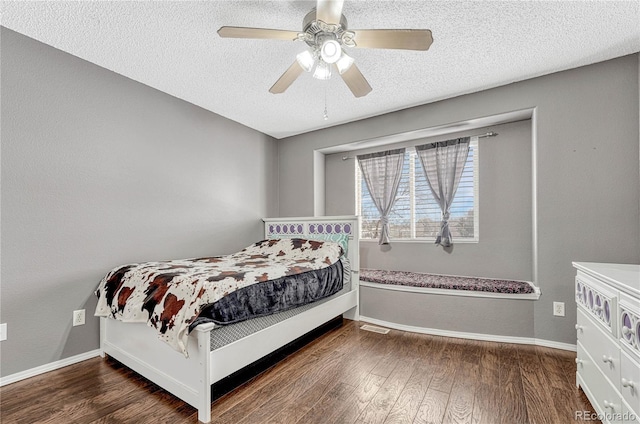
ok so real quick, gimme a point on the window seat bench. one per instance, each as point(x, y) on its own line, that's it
point(448, 284)
point(452, 306)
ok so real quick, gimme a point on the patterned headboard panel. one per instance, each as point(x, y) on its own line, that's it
point(301, 228)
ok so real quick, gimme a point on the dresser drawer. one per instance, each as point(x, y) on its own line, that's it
point(598, 301)
point(603, 349)
point(628, 416)
point(630, 382)
point(603, 396)
point(629, 320)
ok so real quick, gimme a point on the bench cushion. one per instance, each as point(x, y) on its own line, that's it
point(415, 279)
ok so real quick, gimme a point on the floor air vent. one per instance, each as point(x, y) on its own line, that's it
point(374, 329)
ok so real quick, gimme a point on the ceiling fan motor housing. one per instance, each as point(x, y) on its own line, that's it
point(317, 32)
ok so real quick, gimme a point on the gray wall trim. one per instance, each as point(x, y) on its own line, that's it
point(318, 183)
point(399, 139)
point(534, 196)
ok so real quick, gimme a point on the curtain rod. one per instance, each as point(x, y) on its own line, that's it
point(488, 134)
point(485, 135)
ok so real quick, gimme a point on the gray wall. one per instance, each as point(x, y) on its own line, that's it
point(99, 170)
point(471, 315)
point(585, 130)
point(505, 246)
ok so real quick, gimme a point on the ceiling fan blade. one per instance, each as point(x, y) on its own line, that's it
point(356, 82)
point(329, 11)
point(244, 32)
point(409, 39)
point(287, 78)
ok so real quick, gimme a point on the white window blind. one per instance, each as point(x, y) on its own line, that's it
point(416, 215)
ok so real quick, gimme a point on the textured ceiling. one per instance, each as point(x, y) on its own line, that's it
point(174, 47)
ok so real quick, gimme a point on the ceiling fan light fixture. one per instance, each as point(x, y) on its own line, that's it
point(324, 30)
point(323, 71)
point(330, 51)
point(306, 60)
point(344, 63)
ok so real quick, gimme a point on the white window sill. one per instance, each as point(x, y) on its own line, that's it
point(453, 292)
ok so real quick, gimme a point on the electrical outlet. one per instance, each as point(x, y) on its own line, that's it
point(78, 317)
point(558, 309)
point(3, 332)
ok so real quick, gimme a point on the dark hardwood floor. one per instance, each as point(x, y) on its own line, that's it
point(347, 375)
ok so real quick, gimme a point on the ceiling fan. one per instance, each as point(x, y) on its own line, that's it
point(325, 30)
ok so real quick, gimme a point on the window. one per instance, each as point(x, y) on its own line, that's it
point(416, 215)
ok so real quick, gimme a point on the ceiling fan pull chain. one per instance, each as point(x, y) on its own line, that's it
point(326, 114)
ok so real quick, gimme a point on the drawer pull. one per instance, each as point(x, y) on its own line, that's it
point(579, 361)
point(628, 383)
point(607, 359)
point(579, 327)
point(626, 330)
point(609, 405)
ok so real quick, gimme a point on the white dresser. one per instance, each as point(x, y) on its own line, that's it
point(608, 332)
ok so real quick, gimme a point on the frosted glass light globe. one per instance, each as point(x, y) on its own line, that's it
point(330, 51)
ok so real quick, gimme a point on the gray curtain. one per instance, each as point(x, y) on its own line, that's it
point(443, 163)
point(382, 172)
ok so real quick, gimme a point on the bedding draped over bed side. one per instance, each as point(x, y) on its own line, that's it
point(273, 296)
point(170, 295)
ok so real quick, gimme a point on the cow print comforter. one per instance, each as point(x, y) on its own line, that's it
point(170, 295)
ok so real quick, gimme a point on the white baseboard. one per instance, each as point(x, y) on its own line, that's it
point(472, 336)
point(433, 331)
point(48, 367)
point(556, 345)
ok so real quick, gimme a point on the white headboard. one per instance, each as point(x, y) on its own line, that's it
point(335, 228)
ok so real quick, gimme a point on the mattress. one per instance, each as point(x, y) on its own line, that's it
point(223, 335)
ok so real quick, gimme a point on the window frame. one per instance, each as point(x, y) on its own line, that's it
point(413, 168)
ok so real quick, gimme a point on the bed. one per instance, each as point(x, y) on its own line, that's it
point(213, 352)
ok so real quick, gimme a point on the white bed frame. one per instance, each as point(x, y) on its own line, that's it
point(136, 345)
